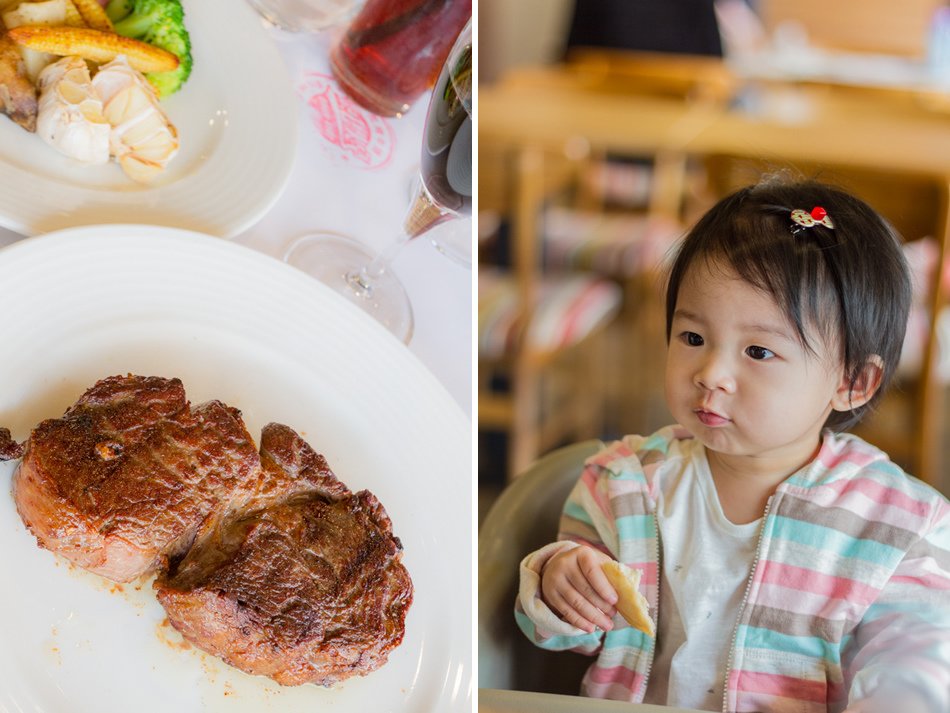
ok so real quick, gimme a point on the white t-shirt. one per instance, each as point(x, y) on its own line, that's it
point(706, 561)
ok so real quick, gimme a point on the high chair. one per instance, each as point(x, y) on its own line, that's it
point(524, 518)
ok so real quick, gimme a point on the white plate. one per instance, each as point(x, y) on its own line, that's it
point(240, 326)
point(237, 122)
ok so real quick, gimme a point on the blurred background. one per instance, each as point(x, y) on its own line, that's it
point(606, 127)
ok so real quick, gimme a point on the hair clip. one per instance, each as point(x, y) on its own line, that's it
point(818, 216)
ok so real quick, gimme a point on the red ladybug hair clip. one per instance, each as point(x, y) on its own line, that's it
point(818, 216)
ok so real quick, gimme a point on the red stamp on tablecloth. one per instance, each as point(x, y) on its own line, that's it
point(352, 135)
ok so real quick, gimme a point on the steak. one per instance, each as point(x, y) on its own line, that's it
point(309, 588)
point(264, 558)
point(290, 466)
point(131, 473)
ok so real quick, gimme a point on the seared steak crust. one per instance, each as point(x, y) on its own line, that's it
point(311, 590)
point(9, 448)
point(291, 466)
point(130, 473)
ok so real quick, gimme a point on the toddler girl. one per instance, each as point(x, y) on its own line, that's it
point(789, 566)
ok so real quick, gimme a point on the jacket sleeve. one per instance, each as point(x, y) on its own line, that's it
point(586, 520)
point(903, 641)
point(538, 622)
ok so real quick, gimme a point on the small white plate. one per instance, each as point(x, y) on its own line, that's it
point(237, 124)
point(245, 328)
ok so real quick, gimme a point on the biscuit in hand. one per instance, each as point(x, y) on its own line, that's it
point(630, 603)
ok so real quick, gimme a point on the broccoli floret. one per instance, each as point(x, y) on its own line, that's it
point(160, 23)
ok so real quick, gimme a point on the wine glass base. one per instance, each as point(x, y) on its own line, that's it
point(335, 261)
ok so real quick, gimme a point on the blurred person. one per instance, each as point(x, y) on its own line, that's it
point(788, 565)
point(679, 26)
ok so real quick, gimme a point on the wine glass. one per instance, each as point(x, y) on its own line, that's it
point(443, 194)
point(452, 238)
point(306, 15)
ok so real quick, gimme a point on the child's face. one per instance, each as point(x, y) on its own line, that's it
point(739, 379)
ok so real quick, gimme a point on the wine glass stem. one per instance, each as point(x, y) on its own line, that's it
point(364, 279)
point(423, 214)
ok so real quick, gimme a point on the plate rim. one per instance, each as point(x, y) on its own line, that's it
point(34, 248)
point(265, 177)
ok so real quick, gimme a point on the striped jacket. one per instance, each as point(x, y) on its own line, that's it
point(850, 589)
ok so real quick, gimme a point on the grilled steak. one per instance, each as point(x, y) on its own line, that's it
point(291, 466)
point(130, 473)
point(264, 559)
point(309, 589)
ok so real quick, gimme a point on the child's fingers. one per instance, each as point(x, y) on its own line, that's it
point(574, 586)
point(603, 593)
point(576, 609)
point(596, 587)
point(587, 602)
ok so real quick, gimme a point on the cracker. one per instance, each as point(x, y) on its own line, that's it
point(630, 603)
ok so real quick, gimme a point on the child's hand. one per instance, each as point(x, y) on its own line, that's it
point(574, 586)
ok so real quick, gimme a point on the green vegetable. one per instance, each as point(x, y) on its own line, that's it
point(160, 23)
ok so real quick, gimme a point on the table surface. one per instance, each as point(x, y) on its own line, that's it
point(333, 190)
point(498, 701)
point(906, 132)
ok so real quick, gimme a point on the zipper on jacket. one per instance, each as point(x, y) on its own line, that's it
point(745, 600)
point(646, 672)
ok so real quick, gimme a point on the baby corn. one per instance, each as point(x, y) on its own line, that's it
point(73, 18)
point(94, 15)
point(94, 45)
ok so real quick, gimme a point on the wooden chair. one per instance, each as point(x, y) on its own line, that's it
point(635, 346)
point(910, 423)
point(540, 373)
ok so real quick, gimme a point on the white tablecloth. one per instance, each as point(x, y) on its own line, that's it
point(362, 190)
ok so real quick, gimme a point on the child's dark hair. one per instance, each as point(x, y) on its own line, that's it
point(849, 284)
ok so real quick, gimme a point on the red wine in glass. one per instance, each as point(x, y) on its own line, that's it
point(446, 163)
point(394, 50)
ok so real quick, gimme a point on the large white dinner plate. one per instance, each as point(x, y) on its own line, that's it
point(242, 327)
point(237, 122)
